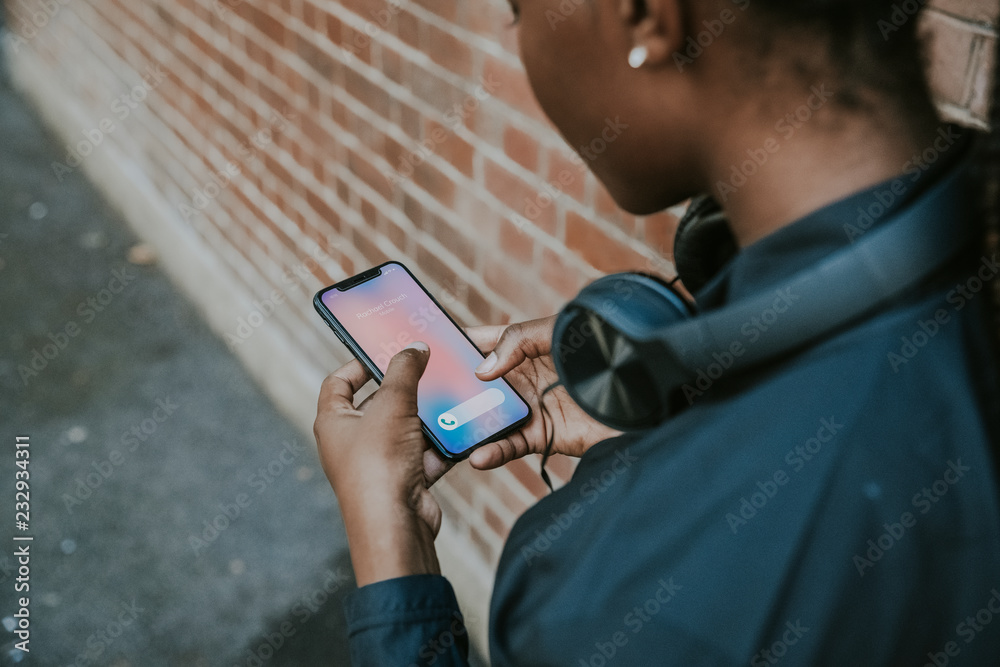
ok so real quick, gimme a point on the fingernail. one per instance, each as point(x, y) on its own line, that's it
point(418, 346)
point(488, 363)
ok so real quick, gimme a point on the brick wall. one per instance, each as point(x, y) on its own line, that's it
point(304, 140)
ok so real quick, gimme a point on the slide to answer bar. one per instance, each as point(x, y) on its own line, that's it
point(472, 408)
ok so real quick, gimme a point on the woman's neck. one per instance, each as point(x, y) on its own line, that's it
point(770, 169)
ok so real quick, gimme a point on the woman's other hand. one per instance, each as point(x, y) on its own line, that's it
point(523, 354)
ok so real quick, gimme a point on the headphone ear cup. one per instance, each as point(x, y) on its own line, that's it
point(703, 244)
point(600, 356)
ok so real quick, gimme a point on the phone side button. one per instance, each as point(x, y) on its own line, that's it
point(336, 333)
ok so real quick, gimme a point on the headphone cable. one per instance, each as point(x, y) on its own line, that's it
point(552, 434)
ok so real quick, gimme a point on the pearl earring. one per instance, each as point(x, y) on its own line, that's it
point(637, 56)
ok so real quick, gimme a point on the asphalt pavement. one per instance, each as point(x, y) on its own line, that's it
point(176, 517)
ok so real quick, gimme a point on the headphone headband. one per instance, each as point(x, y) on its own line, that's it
point(884, 264)
point(627, 341)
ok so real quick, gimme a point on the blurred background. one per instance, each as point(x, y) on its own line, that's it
point(176, 180)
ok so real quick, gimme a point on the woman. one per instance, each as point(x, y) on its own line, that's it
point(834, 506)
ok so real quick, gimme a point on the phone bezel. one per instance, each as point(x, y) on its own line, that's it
point(342, 334)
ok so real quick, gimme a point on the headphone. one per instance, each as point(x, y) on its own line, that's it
point(627, 345)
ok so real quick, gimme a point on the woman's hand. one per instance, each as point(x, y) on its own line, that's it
point(380, 465)
point(522, 352)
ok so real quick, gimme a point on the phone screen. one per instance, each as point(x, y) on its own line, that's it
point(391, 310)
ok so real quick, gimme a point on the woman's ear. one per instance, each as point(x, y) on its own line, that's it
point(656, 28)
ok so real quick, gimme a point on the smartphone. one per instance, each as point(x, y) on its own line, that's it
point(382, 310)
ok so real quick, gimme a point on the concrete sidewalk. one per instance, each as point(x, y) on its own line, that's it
point(177, 518)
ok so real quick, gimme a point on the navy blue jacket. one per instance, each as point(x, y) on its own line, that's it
point(838, 506)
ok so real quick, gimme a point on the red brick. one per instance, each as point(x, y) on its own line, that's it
point(433, 266)
point(323, 64)
point(313, 132)
point(484, 547)
point(516, 242)
point(271, 97)
point(369, 133)
point(443, 141)
point(389, 228)
point(366, 92)
point(410, 120)
point(487, 122)
point(607, 207)
point(502, 490)
point(321, 275)
point(343, 191)
point(312, 17)
point(508, 279)
point(323, 210)
point(659, 231)
point(463, 479)
point(393, 65)
point(338, 112)
point(561, 467)
point(446, 9)
point(521, 147)
point(259, 54)
point(480, 306)
point(365, 9)
point(458, 243)
point(520, 197)
point(496, 22)
point(446, 49)
point(368, 212)
point(361, 239)
point(414, 210)
point(597, 248)
point(512, 87)
point(604, 204)
point(407, 28)
point(264, 22)
point(356, 44)
point(363, 169)
point(568, 175)
point(434, 183)
point(529, 477)
point(334, 29)
point(559, 275)
point(498, 525)
point(438, 92)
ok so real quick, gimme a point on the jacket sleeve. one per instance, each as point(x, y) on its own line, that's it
point(411, 621)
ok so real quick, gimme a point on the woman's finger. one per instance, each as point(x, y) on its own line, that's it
point(487, 457)
point(486, 337)
point(500, 453)
point(340, 386)
point(518, 342)
point(435, 466)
